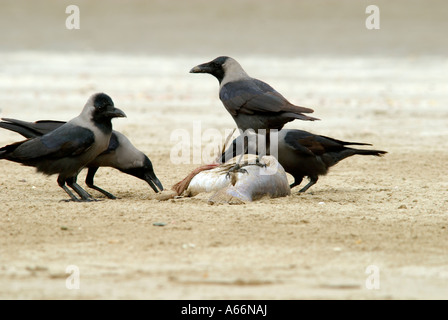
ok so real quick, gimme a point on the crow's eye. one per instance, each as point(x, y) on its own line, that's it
point(218, 67)
point(101, 107)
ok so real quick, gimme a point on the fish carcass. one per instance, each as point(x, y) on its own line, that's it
point(255, 180)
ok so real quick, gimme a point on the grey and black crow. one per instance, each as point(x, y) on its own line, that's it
point(303, 154)
point(252, 103)
point(70, 147)
point(121, 154)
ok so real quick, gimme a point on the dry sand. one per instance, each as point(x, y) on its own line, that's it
point(388, 212)
point(387, 87)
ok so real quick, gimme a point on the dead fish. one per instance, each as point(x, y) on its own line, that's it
point(255, 180)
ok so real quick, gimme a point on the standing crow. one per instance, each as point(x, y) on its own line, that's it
point(69, 148)
point(304, 154)
point(252, 103)
point(120, 154)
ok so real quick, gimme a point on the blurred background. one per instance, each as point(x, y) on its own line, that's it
point(231, 27)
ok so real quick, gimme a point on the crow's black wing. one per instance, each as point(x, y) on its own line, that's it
point(30, 129)
point(307, 143)
point(65, 141)
point(251, 96)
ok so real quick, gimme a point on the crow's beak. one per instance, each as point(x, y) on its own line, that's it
point(202, 68)
point(116, 113)
point(153, 181)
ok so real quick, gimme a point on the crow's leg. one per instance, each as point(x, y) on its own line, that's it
point(257, 163)
point(89, 182)
point(297, 181)
point(313, 180)
point(85, 196)
point(238, 167)
point(234, 169)
point(61, 183)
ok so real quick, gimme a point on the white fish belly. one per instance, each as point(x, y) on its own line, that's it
point(253, 183)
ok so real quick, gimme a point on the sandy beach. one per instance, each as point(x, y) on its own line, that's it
point(384, 214)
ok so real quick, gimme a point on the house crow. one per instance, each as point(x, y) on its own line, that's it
point(70, 147)
point(252, 103)
point(303, 154)
point(121, 154)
